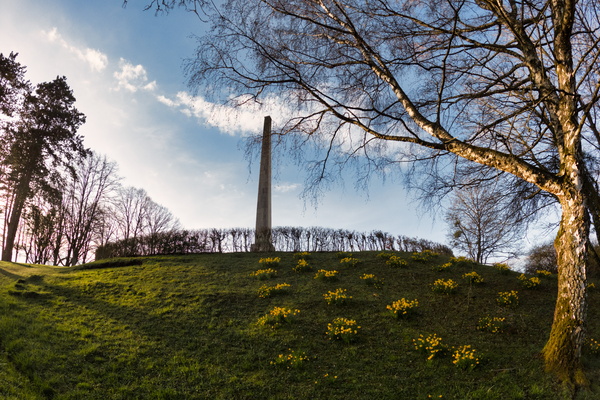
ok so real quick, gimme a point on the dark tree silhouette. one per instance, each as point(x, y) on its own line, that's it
point(41, 136)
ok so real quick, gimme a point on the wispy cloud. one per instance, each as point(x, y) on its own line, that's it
point(95, 59)
point(228, 118)
point(286, 187)
point(133, 77)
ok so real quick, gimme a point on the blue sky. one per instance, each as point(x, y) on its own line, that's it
point(125, 68)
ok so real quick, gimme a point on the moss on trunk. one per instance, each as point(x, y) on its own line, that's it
point(562, 352)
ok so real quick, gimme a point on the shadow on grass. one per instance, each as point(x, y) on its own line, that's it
point(9, 274)
point(124, 343)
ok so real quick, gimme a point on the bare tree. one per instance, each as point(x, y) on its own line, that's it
point(159, 220)
point(42, 231)
point(511, 85)
point(84, 197)
point(131, 206)
point(482, 224)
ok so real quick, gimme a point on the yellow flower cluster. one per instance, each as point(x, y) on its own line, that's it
point(268, 291)
point(543, 272)
point(302, 266)
point(338, 296)
point(371, 279)
point(465, 357)
point(302, 255)
point(444, 286)
point(442, 267)
point(462, 262)
point(396, 262)
point(342, 329)
point(294, 359)
point(385, 255)
point(491, 324)
point(350, 260)
point(325, 274)
point(270, 261)
point(502, 268)
point(594, 346)
point(429, 253)
point(508, 299)
point(473, 277)
point(431, 345)
point(424, 256)
point(282, 312)
point(264, 273)
point(403, 307)
point(529, 283)
point(277, 316)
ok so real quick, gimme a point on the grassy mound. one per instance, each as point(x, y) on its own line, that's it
point(227, 326)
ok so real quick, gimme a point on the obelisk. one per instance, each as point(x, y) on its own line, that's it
point(263, 235)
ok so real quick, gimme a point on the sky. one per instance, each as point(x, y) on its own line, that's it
point(124, 66)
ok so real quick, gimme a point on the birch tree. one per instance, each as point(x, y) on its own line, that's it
point(512, 85)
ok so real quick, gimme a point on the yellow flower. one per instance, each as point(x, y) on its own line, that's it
point(444, 286)
point(302, 266)
point(270, 261)
point(431, 345)
point(267, 291)
point(465, 357)
point(325, 274)
point(473, 277)
point(493, 325)
point(337, 296)
point(502, 268)
point(508, 299)
point(529, 283)
point(396, 262)
point(264, 273)
point(403, 307)
point(342, 329)
point(349, 260)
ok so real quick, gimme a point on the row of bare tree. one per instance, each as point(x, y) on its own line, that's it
point(292, 239)
point(90, 208)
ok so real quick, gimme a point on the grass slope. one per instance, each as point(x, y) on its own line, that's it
point(185, 327)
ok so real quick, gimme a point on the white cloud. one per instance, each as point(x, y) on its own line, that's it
point(231, 119)
point(166, 101)
point(286, 187)
point(96, 60)
point(133, 77)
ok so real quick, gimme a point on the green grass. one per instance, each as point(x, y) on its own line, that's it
point(184, 327)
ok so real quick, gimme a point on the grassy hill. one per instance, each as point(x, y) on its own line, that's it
point(189, 327)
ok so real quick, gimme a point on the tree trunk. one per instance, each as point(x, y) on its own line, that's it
point(15, 215)
point(562, 352)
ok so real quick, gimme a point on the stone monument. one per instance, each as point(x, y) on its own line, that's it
point(263, 234)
